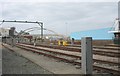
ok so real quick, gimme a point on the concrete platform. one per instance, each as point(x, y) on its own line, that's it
point(13, 63)
point(52, 65)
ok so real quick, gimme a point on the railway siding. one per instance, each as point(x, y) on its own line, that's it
point(67, 58)
point(72, 53)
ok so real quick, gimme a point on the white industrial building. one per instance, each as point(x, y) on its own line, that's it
point(4, 32)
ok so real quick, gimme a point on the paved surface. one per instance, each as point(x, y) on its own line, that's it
point(13, 63)
point(55, 66)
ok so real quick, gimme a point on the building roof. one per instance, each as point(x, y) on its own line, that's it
point(97, 34)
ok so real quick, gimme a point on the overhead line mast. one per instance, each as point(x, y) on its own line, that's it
point(39, 23)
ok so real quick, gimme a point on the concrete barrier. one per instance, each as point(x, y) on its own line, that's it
point(87, 55)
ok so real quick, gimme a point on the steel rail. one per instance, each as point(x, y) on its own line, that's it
point(108, 70)
point(99, 52)
point(73, 62)
point(78, 57)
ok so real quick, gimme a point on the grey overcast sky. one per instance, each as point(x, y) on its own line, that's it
point(63, 17)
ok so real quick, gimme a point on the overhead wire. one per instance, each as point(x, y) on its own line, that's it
point(1, 23)
point(113, 25)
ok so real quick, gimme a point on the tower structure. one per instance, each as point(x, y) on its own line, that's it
point(116, 31)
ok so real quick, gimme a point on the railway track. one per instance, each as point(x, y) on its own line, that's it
point(70, 58)
point(114, 47)
point(100, 51)
point(71, 55)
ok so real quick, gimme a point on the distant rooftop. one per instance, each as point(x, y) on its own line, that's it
point(97, 34)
